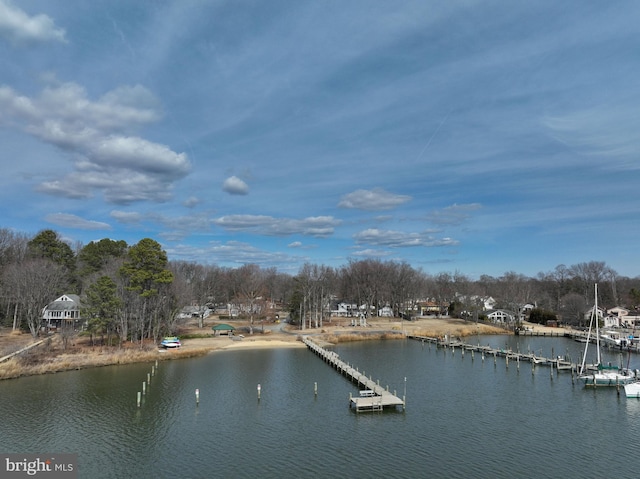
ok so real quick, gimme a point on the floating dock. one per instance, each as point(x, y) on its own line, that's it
point(372, 397)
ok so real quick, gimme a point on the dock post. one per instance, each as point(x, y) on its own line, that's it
point(139, 398)
point(315, 389)
point(404, 396)
point(197, 396)
point(259, 392)
point(506, 360)
point(144, 388)
point(148, 378)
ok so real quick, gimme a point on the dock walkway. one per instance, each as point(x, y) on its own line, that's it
point(558, 363)
point(373, 397)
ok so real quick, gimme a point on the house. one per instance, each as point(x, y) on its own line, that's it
point(611, 321)
point(501, 316)
point(64, 310)
point(344, 310)
point(618, 312)
point(427, 308)
point(600, 314)
point(385, 312)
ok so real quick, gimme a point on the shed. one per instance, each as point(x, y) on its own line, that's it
point(223, 328)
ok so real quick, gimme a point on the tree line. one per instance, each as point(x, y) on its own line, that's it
point(133, 292)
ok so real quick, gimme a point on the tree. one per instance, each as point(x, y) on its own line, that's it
point(573, 306)
point(145, 272)
point(101, 306)
point(36, 282)
point(95, 256)
point(250, 290)
point(47, 244)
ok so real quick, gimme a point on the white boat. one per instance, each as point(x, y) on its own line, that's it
point(613, 338)
point(632, 390)
point(603, 375)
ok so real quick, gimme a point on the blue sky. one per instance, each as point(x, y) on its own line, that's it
point(473, 136)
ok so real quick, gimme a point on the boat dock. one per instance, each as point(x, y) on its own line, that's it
point(373, 397)
point(558, 363)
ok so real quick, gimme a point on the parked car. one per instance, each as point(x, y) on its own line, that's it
point(170, 342)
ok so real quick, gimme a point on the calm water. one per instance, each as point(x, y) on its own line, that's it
point(465, 417)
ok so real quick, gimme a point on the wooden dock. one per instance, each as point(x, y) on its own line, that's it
point(372, 397)
point(558, 363)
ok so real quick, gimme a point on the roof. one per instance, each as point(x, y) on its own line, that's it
point(66, 302)
point(223, 327)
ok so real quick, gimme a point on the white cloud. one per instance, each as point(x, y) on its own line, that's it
point(125, 167)
point(295, 244)
point(191, 202)
point(371, 253)
point(17, 26)
point(372, 200)
point(235, 186)
point(320, 226)
point(66, 220)
point(126, 217)
point(233, 252)
point(399, 239)
point(454, 214)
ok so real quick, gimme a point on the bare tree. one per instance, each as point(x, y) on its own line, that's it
point(36, 283)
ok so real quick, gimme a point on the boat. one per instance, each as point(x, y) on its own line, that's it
point(613, 338)
point(602, 375)
point(170, 342)
point(632, 390)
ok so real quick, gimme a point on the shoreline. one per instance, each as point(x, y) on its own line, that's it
point(50, 358)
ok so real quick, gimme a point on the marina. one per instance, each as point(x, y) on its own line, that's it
point(559, 363)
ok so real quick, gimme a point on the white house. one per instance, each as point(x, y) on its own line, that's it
point(500, 316)
point(65, 309)
point(611, 321)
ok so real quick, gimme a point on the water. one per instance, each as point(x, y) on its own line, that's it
point(464, 418)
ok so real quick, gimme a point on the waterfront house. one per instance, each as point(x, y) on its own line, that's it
point(64, 311)
point(501, 316)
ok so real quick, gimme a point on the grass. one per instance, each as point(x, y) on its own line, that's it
point(51, 358)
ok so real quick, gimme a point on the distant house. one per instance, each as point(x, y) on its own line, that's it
point(600, 313)
point(63, 311)
point(427, 308)
point(385, 312)
point(344, 310)
point(501, 316)
point(611, 321)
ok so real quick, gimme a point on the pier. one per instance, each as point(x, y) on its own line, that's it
point(559, 363)
point(372, 397)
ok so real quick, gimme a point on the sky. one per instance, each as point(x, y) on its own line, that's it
point(477, 137)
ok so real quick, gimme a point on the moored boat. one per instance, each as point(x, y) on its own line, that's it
point(603, 375)
point(632, 390)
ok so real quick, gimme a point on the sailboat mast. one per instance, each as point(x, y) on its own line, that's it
point(595, 312)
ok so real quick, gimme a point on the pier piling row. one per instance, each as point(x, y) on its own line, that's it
point(373, 397)
point(556, 363)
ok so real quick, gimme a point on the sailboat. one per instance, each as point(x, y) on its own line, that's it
point(601, 375)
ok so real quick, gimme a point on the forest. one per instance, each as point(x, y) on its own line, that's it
point(134, 292)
